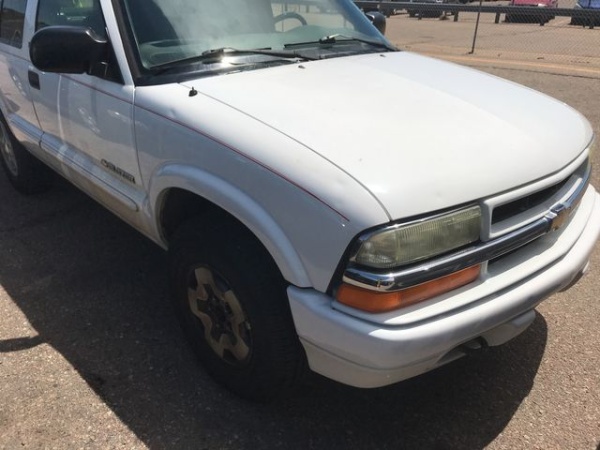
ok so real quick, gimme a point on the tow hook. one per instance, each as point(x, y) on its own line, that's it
point(474, 346)
point(577, 277)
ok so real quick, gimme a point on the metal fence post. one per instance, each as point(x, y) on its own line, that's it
point(476, 27)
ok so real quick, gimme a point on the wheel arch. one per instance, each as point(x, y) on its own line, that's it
point(179, 193)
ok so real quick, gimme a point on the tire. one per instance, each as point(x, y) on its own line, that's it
point(231, 301)
point(25, 172)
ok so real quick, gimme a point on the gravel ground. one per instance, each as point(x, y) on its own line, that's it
point(91, 355)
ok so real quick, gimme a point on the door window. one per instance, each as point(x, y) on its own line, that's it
point(12, 22)
point(81, 13)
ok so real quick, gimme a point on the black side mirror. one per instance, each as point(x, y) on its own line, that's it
point(65, 49)
point(377, 19)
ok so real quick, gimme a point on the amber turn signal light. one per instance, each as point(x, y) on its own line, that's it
point(378, 302)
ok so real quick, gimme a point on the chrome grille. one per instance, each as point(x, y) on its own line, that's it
point(512, 210)
point(526, 203)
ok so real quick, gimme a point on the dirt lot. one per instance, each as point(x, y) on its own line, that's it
point(91, 356)
point(556, 47)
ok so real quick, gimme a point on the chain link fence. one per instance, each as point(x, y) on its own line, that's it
point(562, 36)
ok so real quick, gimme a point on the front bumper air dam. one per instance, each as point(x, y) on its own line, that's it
point(363, 354)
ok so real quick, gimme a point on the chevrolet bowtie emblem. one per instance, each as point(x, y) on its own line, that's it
point(560, 219)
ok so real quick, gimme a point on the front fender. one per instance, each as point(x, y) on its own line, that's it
point(302, 207)
point(237, 203)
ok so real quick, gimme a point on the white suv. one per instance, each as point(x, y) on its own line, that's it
point(240, 137)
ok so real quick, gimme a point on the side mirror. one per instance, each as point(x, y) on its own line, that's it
point(377, 19)
point(65, 49)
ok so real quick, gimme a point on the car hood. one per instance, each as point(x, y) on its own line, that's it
point(419, 134)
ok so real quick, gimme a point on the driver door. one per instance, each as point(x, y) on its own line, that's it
point(87, 120)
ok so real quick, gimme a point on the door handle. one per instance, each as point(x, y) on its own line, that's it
point(34, 79)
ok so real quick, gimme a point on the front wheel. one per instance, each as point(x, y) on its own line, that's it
point(231, 301)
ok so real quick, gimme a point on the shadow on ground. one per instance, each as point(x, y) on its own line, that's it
point(95, 291)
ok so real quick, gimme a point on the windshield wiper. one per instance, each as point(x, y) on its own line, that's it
point(216, 55)
point(344, 39)
point(228, 51)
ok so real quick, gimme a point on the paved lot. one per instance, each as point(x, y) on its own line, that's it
point(91, 356)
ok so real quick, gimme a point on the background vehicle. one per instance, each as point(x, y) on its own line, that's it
point(424, 12)
point(592, 5)
point(530, 16)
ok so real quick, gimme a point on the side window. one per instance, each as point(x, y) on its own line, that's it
point(81, 13)
point(12, 22)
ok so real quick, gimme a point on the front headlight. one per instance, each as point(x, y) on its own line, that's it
point(404, 244)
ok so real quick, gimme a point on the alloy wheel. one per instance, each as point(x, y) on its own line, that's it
point(215, 305)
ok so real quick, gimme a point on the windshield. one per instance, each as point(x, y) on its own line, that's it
point(169, 32)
